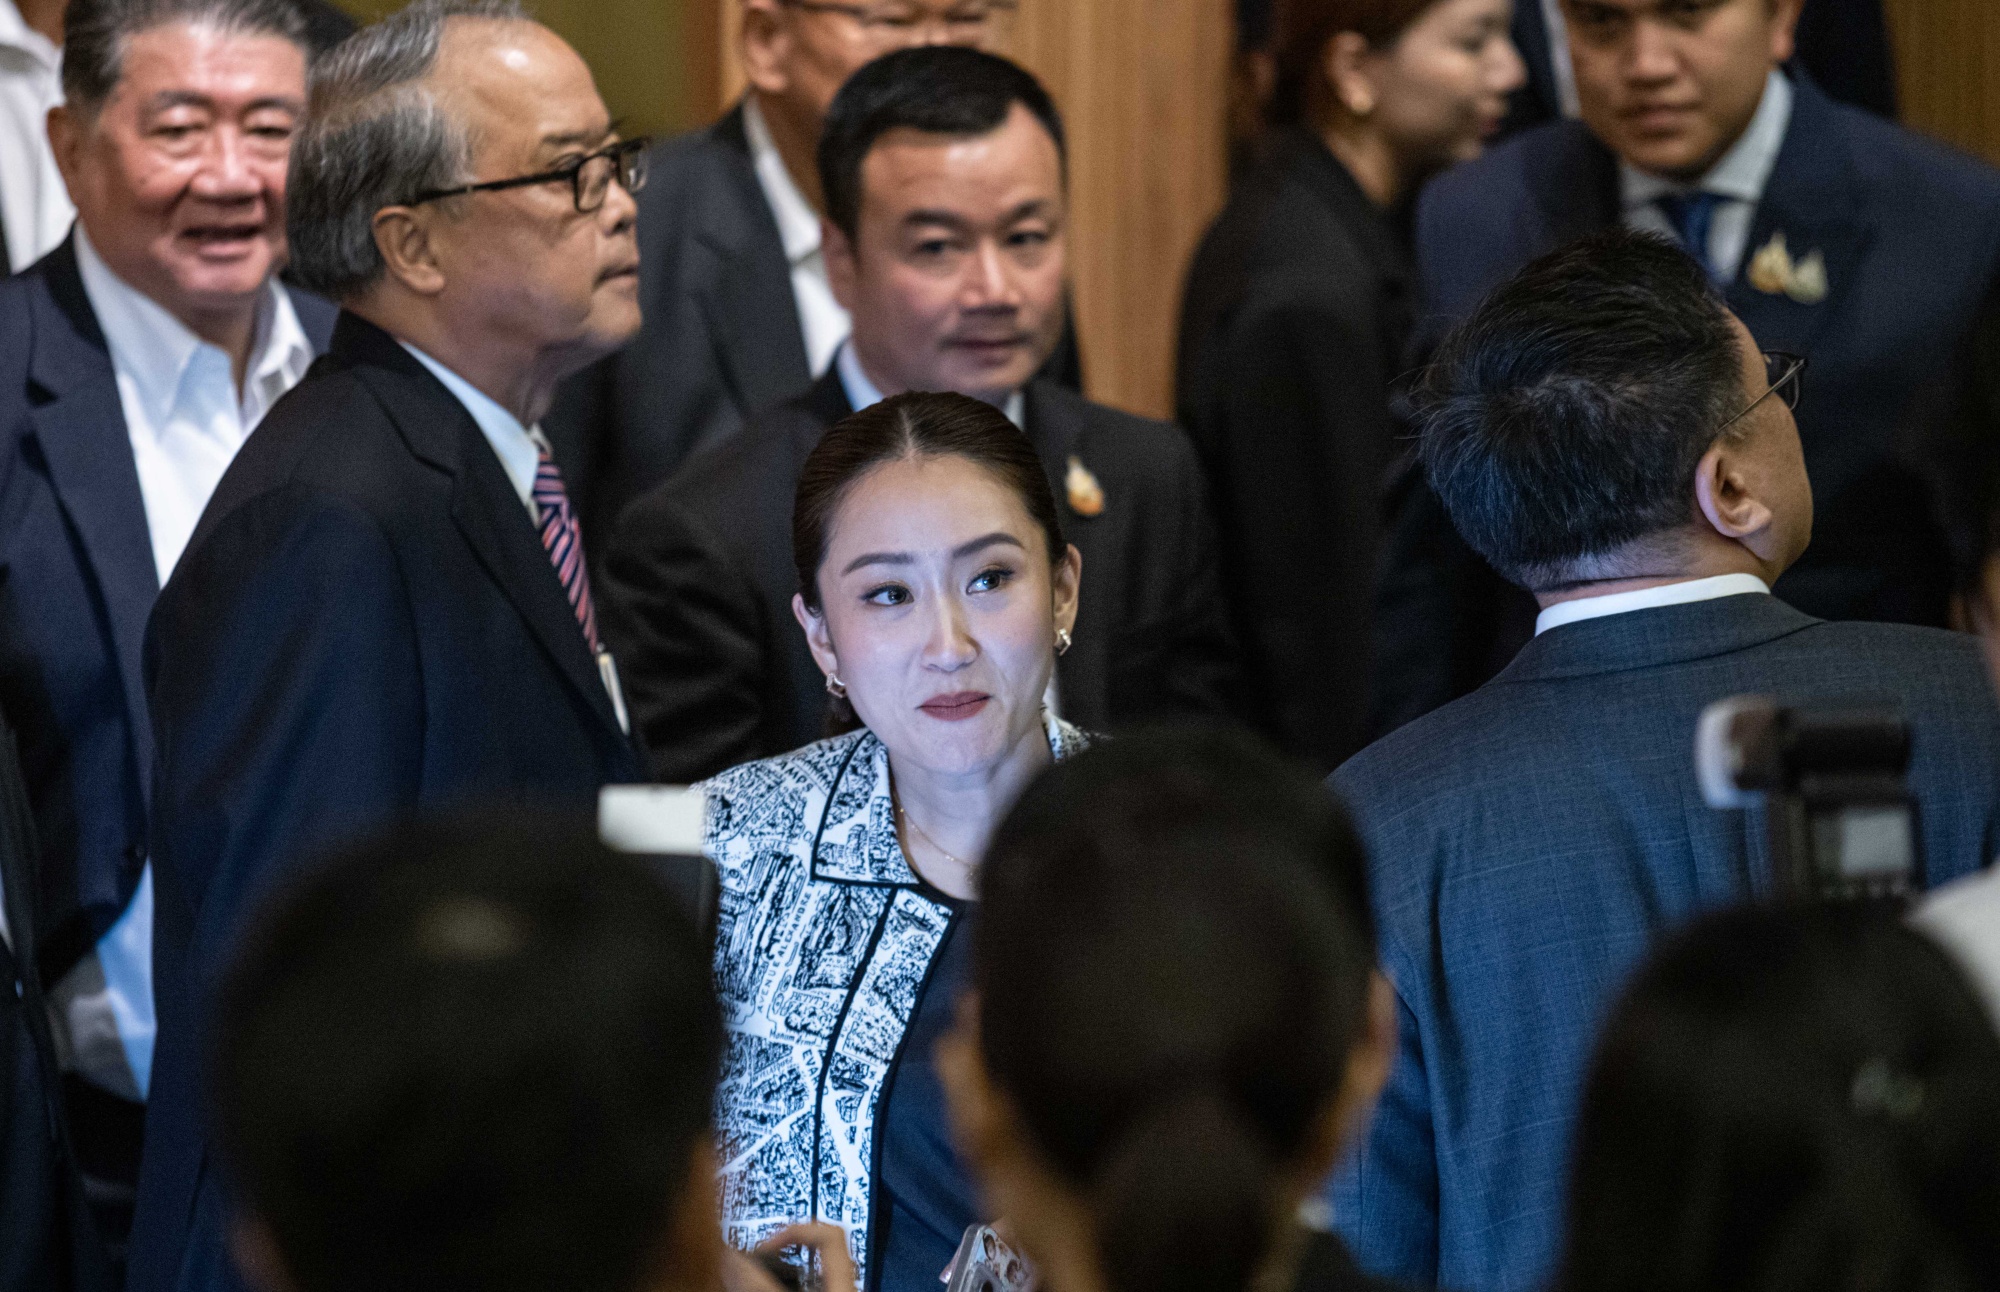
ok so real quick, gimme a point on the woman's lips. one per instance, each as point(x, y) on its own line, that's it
point(956, 707)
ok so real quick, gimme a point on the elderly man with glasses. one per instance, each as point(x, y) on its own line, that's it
point(386, 607)
point(739, 312)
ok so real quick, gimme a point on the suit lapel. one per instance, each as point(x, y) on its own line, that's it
point(84, 442)
point(1813, 201)
point(484, 506)
point(752, 316)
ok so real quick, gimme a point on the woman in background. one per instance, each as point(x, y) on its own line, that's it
point(1791, 1100)
point(1294, 327)
point(1178, 1021)
point(936, 590)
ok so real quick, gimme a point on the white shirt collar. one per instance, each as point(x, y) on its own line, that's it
point(15, 33)
point(156, 350)
point(1743, 171)
point(798, 223)
point(1667, 594)
point(518, 447)
point(863, 393)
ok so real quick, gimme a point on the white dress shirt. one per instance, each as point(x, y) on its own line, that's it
point(825, 323)
point(34, 206)
point(1739, 178)
point(183, 413)
point(1667, 594)
point(863, 393)
point(185, 421)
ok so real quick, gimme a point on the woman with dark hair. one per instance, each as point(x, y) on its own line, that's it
point(936, 590)
point(1178, 1020)
point(1791, 1099)
point(1297, 314)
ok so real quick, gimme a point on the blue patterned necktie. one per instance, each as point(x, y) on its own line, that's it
point(1693, 216)
point(564, 541)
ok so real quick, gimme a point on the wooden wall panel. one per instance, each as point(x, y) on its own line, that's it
point(1948, 69)
point(1144, 87)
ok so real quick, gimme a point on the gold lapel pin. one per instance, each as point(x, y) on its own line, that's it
point(1086, 496)
point(1775, 273)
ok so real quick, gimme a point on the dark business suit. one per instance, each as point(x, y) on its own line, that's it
point(1529, 842)
point(77, 582)
point(721, 341)
point(1294, 325)
point(1910, 233)
point(699, 586)
point(364, 625)
point(48, 1240)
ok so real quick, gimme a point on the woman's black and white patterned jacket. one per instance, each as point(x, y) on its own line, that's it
point(822, 945)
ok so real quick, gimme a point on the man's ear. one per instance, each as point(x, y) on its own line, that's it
point(766, 44)
point(1785, 29)
point(843, 273)
point(255, 1249)
point(66, 142)
point(403, 237)
point(817, 637)
point(1725, 493)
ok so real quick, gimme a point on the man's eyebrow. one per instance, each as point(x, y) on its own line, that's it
point(192, 99)
point(950, 218)
point(576, 138)
point(998, 538)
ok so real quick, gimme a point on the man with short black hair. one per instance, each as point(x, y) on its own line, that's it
point(947, 198)
point(1605, 432)
point(385, 606)
point(740, 314)
point(1830, 232)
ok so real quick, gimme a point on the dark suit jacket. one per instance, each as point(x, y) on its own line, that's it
point(700, 581)
point(721, 340)
point(77, 581)
point(1294, 324)
point(365, 624)
point(1910, 232)
point(1527, 845)
point(48, 1239)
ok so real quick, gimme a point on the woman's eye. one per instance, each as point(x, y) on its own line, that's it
point(989, 580)
point(889, 594)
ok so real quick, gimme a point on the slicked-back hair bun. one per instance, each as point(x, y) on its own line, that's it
point(1173, 957)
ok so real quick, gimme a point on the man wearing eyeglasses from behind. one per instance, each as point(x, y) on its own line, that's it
point(738, 311)
point(385, 607)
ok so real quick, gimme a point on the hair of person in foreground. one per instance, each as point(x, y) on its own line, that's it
point(1791, 1098)
point(475, 1054)
point(1177, 1019)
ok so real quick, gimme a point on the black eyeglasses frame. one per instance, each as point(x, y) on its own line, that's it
point(1793, 374)
point(628, 157)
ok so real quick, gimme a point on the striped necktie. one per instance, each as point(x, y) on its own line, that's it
point(563, 540)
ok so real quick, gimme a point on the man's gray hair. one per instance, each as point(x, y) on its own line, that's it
point(374, 136)
point(95, 32)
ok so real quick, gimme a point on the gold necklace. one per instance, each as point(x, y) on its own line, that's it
point(923, 834)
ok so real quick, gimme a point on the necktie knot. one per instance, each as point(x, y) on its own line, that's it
point(1693, 216)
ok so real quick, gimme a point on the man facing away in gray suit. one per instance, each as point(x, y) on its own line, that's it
point(1607, 435)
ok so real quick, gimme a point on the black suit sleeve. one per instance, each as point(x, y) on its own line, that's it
point(1300, 475)
point(286, 688)
point(691, 641)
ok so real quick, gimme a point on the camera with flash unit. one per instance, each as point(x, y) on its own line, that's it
point(1832, 778)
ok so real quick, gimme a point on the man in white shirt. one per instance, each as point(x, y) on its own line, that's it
point(733, 282)
point(35, 211)
point(385, 608)
point(1604, 432)
point(134, 361)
